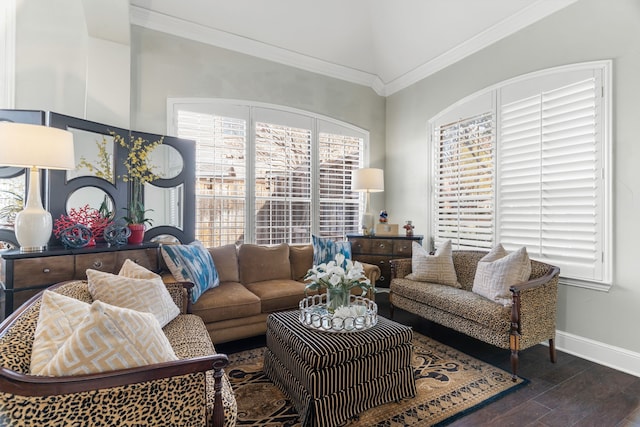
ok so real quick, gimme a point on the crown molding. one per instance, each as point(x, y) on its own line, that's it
point(189, 30)
point(192, 31)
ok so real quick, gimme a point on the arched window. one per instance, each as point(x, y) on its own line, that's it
point(527, 163)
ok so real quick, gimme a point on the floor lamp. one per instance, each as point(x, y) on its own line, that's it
point(35, 147)
point(368, 180)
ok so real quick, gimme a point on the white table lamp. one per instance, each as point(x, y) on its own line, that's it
point(35, 147)
point(368, 180)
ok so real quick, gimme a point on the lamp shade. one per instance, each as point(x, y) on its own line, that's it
point(368, 179)
point(28, 146)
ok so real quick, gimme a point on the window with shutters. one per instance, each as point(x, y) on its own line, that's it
point(268, 175)
point(526, 163)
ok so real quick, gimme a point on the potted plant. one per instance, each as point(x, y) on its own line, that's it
point(139, 172)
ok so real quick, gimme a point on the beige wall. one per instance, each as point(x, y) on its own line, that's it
point(588, 30)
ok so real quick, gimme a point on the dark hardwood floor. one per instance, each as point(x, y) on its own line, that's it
point(571, 392)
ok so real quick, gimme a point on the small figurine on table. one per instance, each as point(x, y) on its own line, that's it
point(409, 228)
point(384, 217)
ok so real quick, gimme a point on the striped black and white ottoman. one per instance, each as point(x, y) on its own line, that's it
point(331, 377)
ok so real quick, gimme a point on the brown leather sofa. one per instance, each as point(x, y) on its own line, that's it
point(255, 281)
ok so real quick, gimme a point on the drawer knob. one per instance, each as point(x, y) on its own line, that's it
point(137, 261)
point(381, 245)
point(46, 270)
point(97, 264)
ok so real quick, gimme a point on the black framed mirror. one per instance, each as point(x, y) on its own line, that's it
point(171, 199)
point(100, 163)
point(14, 181)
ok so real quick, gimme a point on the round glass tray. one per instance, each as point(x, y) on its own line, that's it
point(315, 315)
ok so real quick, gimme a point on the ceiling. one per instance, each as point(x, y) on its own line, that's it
point(384, 44)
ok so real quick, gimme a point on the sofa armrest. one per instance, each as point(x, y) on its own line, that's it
point(372, 272)
point(400, 267)
point(533, 309)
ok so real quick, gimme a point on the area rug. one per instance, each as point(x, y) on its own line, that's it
point(449, 383)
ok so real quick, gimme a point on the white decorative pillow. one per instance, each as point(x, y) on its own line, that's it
point(436, 268)
point(59, 317)
point(498, 271)
point(111, 338)
point(136, 288)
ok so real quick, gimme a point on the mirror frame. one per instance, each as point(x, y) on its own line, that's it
point(187, 149)
point(59, 188)
point(33, 117)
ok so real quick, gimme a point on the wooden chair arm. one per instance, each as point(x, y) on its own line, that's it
point(181, 294)
point(535, 283)
point(37, 385)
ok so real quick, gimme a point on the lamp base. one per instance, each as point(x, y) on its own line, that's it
point(33, 229)
point(368, 224)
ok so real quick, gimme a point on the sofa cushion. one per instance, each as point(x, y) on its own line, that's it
point(301, 258)
point(106, 338)
point(191, 263)
point(458, 302)
point(325, 250)
point(278, 295)
point(136, 288)
point(225, 258)
point(230, 300)
point(498, 271)
point(258, 263)
point(436, 268)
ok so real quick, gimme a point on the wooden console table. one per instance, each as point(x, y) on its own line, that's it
point(378, 250)
point(23, 275)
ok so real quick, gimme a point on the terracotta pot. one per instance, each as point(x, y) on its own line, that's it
point(137, 234)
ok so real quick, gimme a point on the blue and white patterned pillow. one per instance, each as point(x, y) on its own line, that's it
point(192, 263)
point(325, 250)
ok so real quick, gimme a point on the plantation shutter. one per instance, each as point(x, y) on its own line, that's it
point(220, 175)
point(464, 184)
point(551, 195)
point(340, 152)
point(282, 178)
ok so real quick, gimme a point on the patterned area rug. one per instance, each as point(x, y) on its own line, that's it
point(449, 385)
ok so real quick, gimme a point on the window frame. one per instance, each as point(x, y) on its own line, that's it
point(249, 110)
point(468, 106)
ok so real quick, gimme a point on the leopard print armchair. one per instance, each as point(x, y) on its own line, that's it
point(191, 391)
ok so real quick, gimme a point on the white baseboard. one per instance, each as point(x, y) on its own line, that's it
point(604, 354)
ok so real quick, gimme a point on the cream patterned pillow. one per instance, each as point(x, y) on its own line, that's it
point(498, 271)
point(111, 338)
point(59, 317)
point(136, 288)
point(436, 268)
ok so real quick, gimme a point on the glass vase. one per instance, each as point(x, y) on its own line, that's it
point(337, 297)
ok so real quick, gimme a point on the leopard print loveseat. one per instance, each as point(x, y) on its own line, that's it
point(530, 320)
point(192, 391)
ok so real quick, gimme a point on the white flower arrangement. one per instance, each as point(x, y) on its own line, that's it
point(332, 275)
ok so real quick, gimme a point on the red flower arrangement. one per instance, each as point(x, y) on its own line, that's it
point(87, 216)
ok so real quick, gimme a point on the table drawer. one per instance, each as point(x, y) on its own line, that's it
point(30, 272)
point(402, 248)
point(381, 246)
point(148, 258)
point(103, 261)
point(360, 246)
